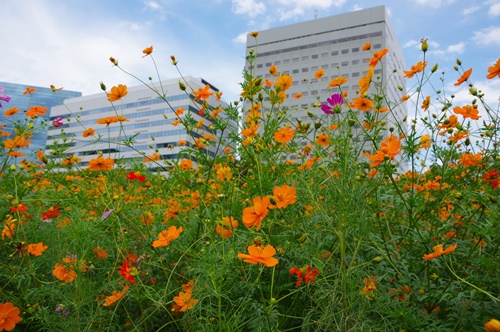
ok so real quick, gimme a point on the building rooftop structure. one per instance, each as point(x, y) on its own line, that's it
point(334, 44)
point(151, 123)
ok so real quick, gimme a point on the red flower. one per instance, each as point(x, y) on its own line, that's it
point(491, 177)
point(128, 272)
point(304, 274)
point(20, 208)
point(136, 176)
point(51, 213)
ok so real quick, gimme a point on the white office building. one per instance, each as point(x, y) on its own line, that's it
point(334, 44)
point(151, 123)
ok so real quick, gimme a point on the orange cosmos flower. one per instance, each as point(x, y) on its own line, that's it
point(16, 143)
point(11, 111)
point(117, 92)
point(100, 253)
point(101, 164)
point(147, 218)
point(16, 154)
point(362, 103)
point(226, 227)
point(52, 212)
point(251, 130)
point(36, 111)
point(467, 111)
point(107, 120)
point(147, 51)
point(36, 249)
point(9, 316)
point(116, 296)
point(253, 215)
point(166, 236)
point(186, 164)
point(377, 56)
point(370, 286)
point(364, 82)
point(223, 173)
point(465, 76)
point(425, 142)
point(283, 82)
point(319, 73)
point(438, 251)
point(283, 196)
point(390, 148)
point(419, 67)
point(494, 70)
point(338, 81)
point(154, 157)
point(88, 132)
point(184, 300)
point(492, 325)
point(426, 103)
point(29, 90)
point(273, 70)
point(284, 135)
point(323, 139)
point(469, 159)
point(203, 93)
point(257, 255)
point(65, 270)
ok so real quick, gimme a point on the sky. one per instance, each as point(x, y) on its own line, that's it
point(68, 43)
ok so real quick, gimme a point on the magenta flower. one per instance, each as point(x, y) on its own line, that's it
point(334, 103)
point(106, 214)
point(57, 122)
point(3, 97)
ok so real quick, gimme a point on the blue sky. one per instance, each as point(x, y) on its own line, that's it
point(68, 43)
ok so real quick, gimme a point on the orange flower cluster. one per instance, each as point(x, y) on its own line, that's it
point(419, 67)
point(284, 135)
point(283, 196)
point(36, 249)
point(65, 270)
point(438, 251)
point(203, 93)
point(184, 300)
point(36, 111)
point(257, 254)
point(467, 111)
point(115, 296)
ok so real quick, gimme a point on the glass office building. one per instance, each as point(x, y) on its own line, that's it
point(42, 96)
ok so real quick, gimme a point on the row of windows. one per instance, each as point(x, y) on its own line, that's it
point(130, 105)
point(321, 44)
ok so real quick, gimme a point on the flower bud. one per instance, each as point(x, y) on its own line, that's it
point(103, 86)
point(174, 61)
point(113, 61)
point(434, 68)
point(424, 46)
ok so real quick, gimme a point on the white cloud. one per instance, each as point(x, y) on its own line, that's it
point(470, 10)
point(153, 5)
point(241, 38)
point(249, 7)
point(494, 9)
point(411, 43)
point(456, 48)
point(488, 36)
point(435, 3)
point(357, 7)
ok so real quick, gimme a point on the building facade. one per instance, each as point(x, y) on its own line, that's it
point(335, 45)
point(42, 96)
point(151, 123)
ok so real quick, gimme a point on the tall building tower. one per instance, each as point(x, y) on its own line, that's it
point(334, 44)
point(150, 122)
point(42, 96)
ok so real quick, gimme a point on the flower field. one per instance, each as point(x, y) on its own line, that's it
point(398, 231)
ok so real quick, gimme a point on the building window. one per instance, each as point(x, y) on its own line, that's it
point(277, 63)
point(345, 51)
point(345, 63)
point(377, 46)
point(295, 71)
point(269, 64)
point(314, 92)
point(355, 74)
point(355, 49)
point(314, 56)
point(295, 60)
point(305, 70)
point(314, 68)
point(355, 62)
point(324, 55)
point(335, 53)
point(325, 66)
point(286, 61)
point(335, 64)
point(305, 58)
